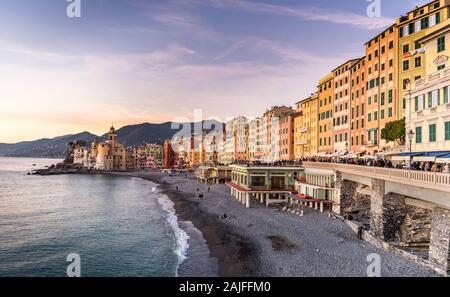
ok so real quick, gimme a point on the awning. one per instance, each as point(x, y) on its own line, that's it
point(406, 156)
point(443, 159)
point(429, 156)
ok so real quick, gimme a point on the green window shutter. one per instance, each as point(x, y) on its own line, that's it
point(441, 44)
point(418, 134)
point(439, 97)
point(432, 132)
point(430, 99)
point(445, 95)
point(416, 101)
point(447, 131)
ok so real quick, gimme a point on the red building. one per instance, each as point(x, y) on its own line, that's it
point(169, 156)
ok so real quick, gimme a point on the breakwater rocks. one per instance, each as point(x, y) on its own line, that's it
point(60, 168)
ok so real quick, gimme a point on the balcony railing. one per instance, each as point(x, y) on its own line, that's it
point(432, 180)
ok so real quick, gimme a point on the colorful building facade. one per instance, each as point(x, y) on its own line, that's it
point(325, 116)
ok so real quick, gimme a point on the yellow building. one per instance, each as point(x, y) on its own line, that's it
point(429, 110)
point(412, 27)
point(306, 127)
point(325, 116)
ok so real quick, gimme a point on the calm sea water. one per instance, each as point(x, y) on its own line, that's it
point(119, 226)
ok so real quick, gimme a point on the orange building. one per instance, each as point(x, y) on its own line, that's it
point(341, 115)
point(357, 106)
point(325, 115)
point(381, 87)
point(286, 150)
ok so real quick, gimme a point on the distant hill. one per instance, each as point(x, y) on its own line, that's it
point(43, 148)
point(131, 135)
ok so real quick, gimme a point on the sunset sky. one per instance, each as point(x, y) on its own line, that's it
point(131, 61)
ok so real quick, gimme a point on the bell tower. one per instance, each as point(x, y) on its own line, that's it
point(112, 136)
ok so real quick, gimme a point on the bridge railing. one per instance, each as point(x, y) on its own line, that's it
point(399, 175)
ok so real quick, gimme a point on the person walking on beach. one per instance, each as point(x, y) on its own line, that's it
point(209, 189)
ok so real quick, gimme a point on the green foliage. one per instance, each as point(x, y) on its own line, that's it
point(394, 131)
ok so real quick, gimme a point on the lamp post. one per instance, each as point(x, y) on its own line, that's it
point(410, 137)
point(346, 150)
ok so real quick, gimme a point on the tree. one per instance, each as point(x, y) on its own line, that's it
point(394, 131)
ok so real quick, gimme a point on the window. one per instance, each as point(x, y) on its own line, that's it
point(382, 99)
point(411, 28)
point(432, 132)
point(382, 114)
point(441, 44)
point(406, 48)
point(440, 67)
point(405, 65)
point(390, 96)
point(390, 112)
point(418, 134)
point(424, 23)
point(418, 62)
point(447, 131)
point(416, 45)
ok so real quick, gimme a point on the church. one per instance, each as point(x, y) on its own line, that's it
point(108, 155)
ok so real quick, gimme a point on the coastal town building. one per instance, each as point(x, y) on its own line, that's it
point(213, 174)
point(169, 156)
point(341, 115)
point(108, 155)
point(325, 115)
point(357, 105)
point(286, 135)
point(314, 189)
point(236, 141)
point(270, 141)
point(381, 87)
point(429, 108)
point(148, 156)
point(413, 26)
point(306, 127)
point(262, 184)
point(255, 139)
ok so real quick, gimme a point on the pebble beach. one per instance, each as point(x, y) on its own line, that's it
point(268, 241)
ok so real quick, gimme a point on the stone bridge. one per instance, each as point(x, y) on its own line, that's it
point(408, 208)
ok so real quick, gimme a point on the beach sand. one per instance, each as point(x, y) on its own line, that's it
point(268, 242)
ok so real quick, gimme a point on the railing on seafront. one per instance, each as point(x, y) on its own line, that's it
point(418, 178)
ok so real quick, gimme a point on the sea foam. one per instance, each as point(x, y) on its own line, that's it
point(181, 237)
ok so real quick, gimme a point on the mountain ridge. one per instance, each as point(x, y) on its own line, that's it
point(129, 135)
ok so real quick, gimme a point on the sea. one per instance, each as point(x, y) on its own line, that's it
point(115, 226)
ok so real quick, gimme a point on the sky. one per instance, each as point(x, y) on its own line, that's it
point(133, 61)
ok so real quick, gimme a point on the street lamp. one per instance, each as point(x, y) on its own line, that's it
point(410, 137)
point(346, 150)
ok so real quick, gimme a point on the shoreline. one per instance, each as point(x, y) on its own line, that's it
point(267, 242)
point(229, 249)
